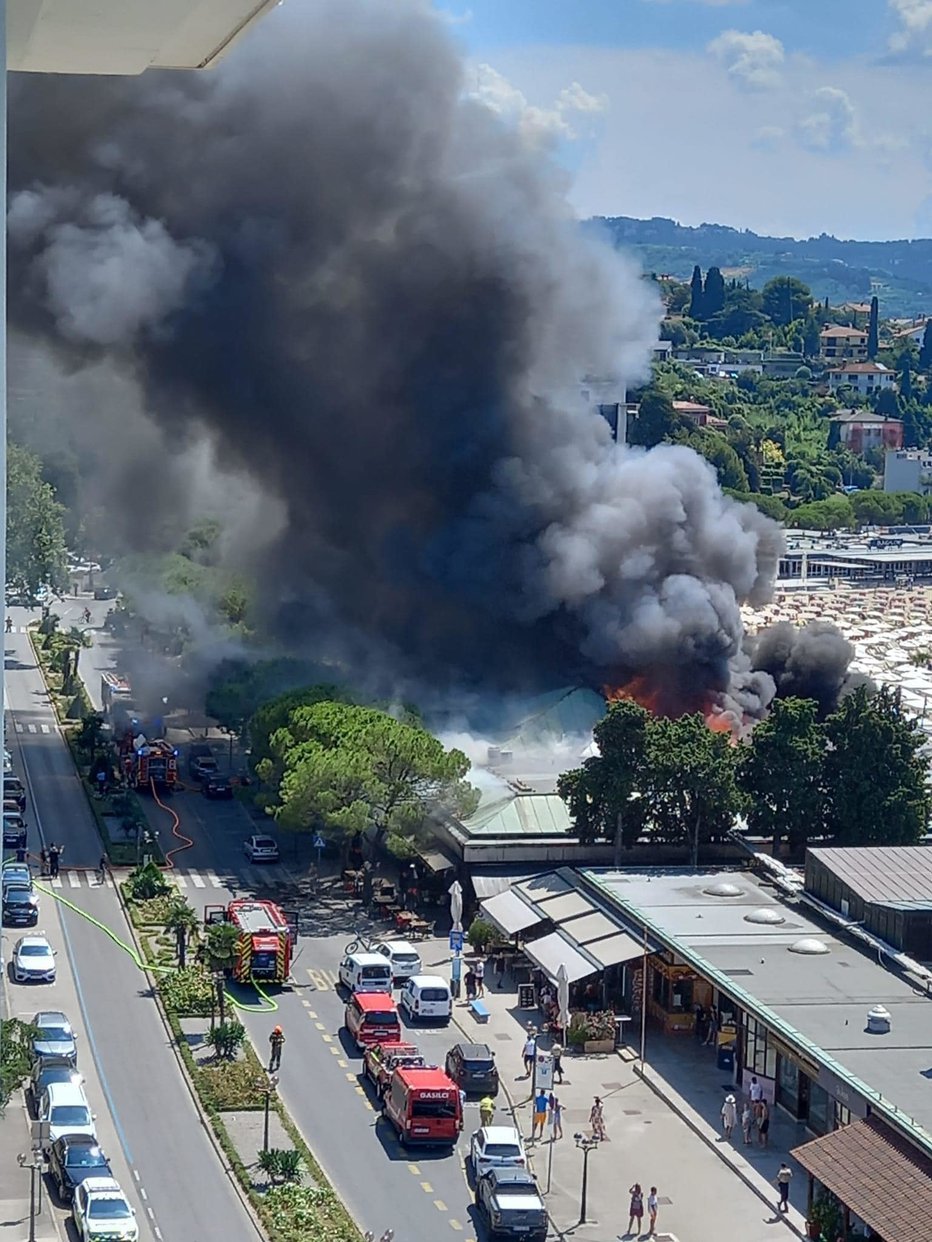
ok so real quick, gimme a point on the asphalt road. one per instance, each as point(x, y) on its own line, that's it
point(182, 1191)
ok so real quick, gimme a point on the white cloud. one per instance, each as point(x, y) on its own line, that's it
point(753, 59)
point(915, 32)
point(832, 125)
point(535, 123)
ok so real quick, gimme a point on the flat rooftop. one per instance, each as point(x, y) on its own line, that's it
point(823, 998)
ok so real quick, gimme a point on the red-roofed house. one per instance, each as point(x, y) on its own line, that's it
point(864, 377)
point(838, 342)
point(860, 430)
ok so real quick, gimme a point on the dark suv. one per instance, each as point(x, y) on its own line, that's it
point(15, 791)
point(201, 761)
point(20, 906)
point(472, 1067)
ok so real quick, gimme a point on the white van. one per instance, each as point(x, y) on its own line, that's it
point(366, 972)
point(427, 998)
point(64, 1106)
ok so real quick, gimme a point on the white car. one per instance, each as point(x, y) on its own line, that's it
point(64, 1106)
point(102, 1211)
point(261, 849)
point(496, 1147)
point(33, 960)
point(403, 958)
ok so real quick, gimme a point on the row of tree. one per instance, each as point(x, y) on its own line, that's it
point(853, 778)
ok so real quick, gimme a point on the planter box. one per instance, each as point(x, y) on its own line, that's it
point(599, 1045)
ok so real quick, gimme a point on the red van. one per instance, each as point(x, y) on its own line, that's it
point(424, 1106)
point(372, 1018)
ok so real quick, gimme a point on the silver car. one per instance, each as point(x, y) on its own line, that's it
point(33, 960)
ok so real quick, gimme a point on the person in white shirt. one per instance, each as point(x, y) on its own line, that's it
point(652, 1211)
point(756, 1092)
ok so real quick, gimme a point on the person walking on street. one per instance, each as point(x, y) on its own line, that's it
point(540, 1114)
point(636, 1210)
point(486, 1110)
point(763, 1124)
point(276, 1043)
point(597, 1119)
point(556, 1053)
point(652, 1206)
point(747, 1121)
point(470, 981)
point(479, 973)
point(530, 1052)
point(756, 1092)
point(729, 1115)
point(556, 1118)
point(55, 853)
point(782, 1182)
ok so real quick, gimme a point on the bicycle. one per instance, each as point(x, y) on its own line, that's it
point(362, 944)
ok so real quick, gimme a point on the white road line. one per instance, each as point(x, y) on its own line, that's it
point(109, 881)
point(33, 729)
point(179, 879)
point(213, 880)
point(136, 1174)
point(196, 880)
point(20, 728)
point(74, 879)
point(45, 728)
point(57, 882)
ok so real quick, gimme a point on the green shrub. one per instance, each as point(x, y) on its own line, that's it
point(482, 935)
point(188, 992)
point(231, 1086)
point(227, 1038)
point(296, 1213)
point(280, 1164)
point(147, 882)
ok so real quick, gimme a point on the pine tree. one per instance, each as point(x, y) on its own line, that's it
point(925, 350)
point(695, 294)
point(713, 294)
point(906, 380)
point(873, 329)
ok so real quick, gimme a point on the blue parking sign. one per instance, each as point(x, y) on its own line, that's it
point(456, 942)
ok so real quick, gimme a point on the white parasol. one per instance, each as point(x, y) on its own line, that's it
point(456, 905)
point(563, 996)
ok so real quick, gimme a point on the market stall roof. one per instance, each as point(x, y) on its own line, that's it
point(437, 858)
point(565, 906)
point(489, 881)
point(549, 952)
point(614, 950)
point(509, 913)
point(876, 1173)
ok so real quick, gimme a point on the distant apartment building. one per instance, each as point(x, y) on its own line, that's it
point(907, 470)
point(836, 341)
point(699, 414)
point(914, 332)
point(782, 364)
point(864, 377)
point(861, 430)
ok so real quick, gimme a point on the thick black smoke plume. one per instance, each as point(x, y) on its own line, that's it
point(811, 662)
point(368, 294)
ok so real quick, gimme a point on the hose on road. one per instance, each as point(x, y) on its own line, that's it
point(187, 841)
point(269, 1005)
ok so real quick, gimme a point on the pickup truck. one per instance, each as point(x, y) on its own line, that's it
point(510, 1201)
point(381, 1060)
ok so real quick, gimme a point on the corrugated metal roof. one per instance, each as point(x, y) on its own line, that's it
point(509, 913)
point(880, 1176)
point(881, 873)
point(550, 952)
point(540, 815)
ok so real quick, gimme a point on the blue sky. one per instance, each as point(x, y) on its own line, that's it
point(785, 116)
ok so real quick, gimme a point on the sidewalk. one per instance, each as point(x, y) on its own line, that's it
point(14, 1181)
point(659, 1133)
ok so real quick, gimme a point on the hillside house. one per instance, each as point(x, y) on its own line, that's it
point(864, 377)
point(860, 430)
point(701, 415)
point(836, 341)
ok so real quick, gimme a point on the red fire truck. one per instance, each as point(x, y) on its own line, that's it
point(144, 762)
point(266, 940)
point(424, 1106)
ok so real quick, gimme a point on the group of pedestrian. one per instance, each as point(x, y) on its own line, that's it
point(706, 1026)
point(51, 860)
point(475, 980)
point(755, 1115)
point(547, 1110)
point(636, 1211)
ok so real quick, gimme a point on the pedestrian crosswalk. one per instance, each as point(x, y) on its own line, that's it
point(24, 727)
point(244, 878)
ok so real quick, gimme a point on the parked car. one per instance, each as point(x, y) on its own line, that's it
point(49, 1070)
point(493, 1147)
point(403, 958)
point(102, 1211)
point(216, 787)
point(472, 1067)
point(33, 960)
point(261, 849)
point(54, 1037)
point(511, 1203)
point(64, 1106)
point(17, 874)
point(427, 998)
point(201, 761)
point(105, 592)
point(72, 1160)
point(14, 830)
point(20, 905)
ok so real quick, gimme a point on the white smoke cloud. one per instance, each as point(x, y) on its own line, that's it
point(537, 125)
point(753, 59)
point(832, 123)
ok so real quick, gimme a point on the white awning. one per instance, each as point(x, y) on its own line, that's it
point(615, 949)
point(437, 858)
point(509, 913)
point(550, 952)
point(565, 906)
point(490, 881)
point(593, 925)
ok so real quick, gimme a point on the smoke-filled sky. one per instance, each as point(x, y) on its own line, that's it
point(367, 294)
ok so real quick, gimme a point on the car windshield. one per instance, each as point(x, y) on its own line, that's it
point(108, 1209)
point(374, 972)
point(70, 1115)
point(52, 1034)
point(477, 1067)
point(382, 1019)
point(85, 1157)
point(502, 1151)
point(515, 1188)
point(34, 950)
point(264, 843)
point(434, 994)
point(56, 1073)
point(21, 895)
point(433, 1108)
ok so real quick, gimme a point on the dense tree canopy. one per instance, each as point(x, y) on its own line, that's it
point(781, 774)
point(785, 299)
point(35, 527)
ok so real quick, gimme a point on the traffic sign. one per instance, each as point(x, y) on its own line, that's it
point(319, 843)
point(456, 941)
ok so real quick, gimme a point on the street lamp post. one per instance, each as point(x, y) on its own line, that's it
point(33, 1167)
point(585, 1145)
point(269, 1085)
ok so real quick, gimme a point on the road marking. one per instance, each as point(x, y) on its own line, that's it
point(151, 1213)
point(142, 1193)
point(351, 1077)
point(323, 980)
point(335, 1051)
point(136, 1174)
point(33, 729)
point(19, 726)
point(310, 1012)
point(454, 1224)
point(196, 880)
point(427, 1188)
point(342, 1064)
point(58, 882)
point(412, 1168)
point(45, 728)
point(180, 880)
point(157, 1231)
point(320, 1026)
point(328, 1039)
point(74, 879)
point(440, 1205)
point(213, 880)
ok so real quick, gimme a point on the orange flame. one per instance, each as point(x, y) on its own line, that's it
point(641, 690)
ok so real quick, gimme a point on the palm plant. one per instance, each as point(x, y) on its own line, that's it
point(222, 939)
point(182, 920)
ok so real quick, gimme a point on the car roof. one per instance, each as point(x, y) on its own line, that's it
point(366, 959)
point(429, 981)
point(427, 1077)
point(375, 1000)
point(103, 1186)
point(263, 836)
point(501, 1134)
point(43, 940)
point(50, 1017)
point(511, 1173)
point(78, 1140)
point(400, 946)
point(66, 1093)
point(475, 1052)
